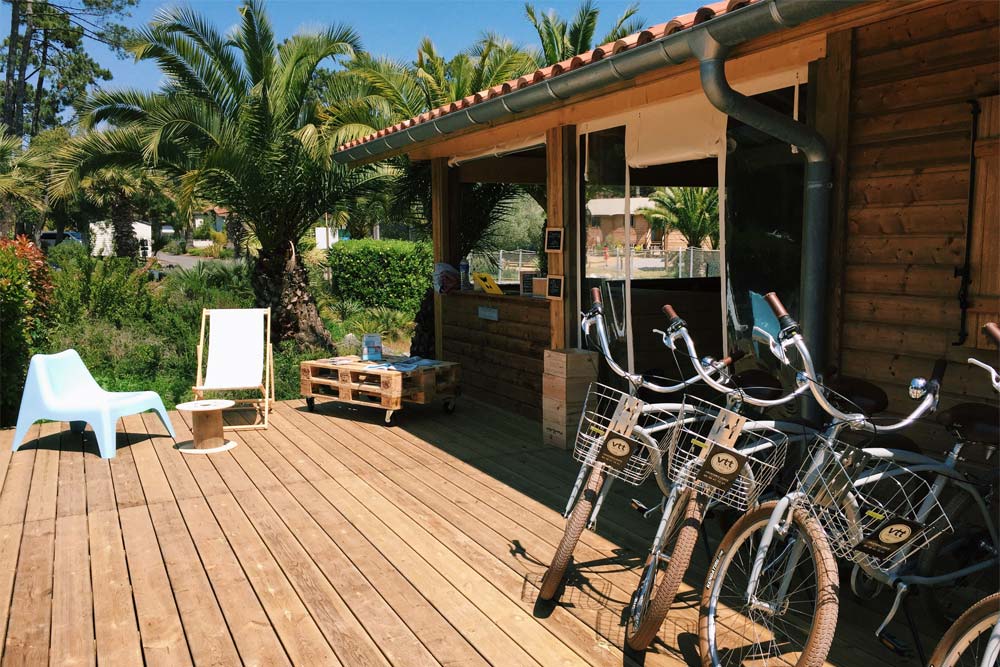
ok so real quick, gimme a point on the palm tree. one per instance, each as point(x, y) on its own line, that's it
point(694, 212)
point(112, 190)
point(20, 180)
point(561, 40)
point(235, 123)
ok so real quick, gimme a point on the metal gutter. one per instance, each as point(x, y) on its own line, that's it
point(729, 30)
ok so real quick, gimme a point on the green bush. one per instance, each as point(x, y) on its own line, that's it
point(389, 273)
point(25, 290)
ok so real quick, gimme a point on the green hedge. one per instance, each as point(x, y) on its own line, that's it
point(389, 273)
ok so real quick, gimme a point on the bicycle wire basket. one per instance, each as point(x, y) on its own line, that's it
point(608, 411)
point(875, 512)
point(688, 445)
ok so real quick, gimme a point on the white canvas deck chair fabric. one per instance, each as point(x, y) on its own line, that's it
point(239, 358)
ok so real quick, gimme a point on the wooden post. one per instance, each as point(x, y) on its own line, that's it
point(832, 120)
point(442, 236)
point(560, 183)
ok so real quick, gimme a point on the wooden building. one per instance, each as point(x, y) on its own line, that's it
point(902, 94)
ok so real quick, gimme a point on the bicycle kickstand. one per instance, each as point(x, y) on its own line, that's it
point(892, 643)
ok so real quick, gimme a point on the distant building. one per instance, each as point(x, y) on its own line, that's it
point(215, 216)
point(102, 235)
point(607, 226)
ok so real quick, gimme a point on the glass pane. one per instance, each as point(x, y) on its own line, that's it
point(605, 246)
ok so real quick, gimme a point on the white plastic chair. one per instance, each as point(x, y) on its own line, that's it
point(239, 357)
point(60, 387)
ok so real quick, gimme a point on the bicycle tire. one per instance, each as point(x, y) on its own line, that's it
point(958, 635)
point(571, 535)
point(823, 617)
point(934, 599)
point(680, 558)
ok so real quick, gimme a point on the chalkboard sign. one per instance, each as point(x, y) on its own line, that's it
point(555, 288)
point(527, 277)
point(553, 239)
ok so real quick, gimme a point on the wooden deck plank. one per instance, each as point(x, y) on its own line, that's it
point(155, 487)
point(124, 476)
point(14, 496)
point(72, 641)
point(163, 639)
point(28, 628)
point(303, 640)
point(44, 475)
point(172, 462)
point(201, 467)
point(72, 484)
point(255, 637)
point(10, 546)
point(115, 624)
point(207, 634)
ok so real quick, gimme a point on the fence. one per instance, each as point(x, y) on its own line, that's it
point(653, 263)
point(504, 265)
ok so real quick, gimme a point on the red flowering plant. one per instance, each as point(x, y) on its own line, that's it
point(25, 296)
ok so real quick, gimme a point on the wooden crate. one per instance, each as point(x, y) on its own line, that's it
point(354, 382)
point(567, 376)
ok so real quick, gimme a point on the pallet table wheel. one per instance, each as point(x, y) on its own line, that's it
point(311, 403)
point(388, 417)
point(449, 405)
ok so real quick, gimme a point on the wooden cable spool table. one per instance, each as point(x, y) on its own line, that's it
point(206, 426)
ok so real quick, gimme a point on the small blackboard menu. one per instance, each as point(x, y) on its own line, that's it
point(553, 239)
point(555, 287)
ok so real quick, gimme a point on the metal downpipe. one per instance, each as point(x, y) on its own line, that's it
point(816, 198)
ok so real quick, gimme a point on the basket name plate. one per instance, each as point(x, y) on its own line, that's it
point(615, 451)
point(889, 536)
point(726, 428)
point(722, 467)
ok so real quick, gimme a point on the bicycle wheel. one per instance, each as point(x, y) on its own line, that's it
point(658, 586)
point(967, 545)
point(574, 528)
point(965, 643)
point(794, 630)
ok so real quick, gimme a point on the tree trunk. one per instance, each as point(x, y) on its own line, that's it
point(125, 242)
point(22, 71)
point(281, 282)
point(236, 233)
point(8, 90)
point(36, 112)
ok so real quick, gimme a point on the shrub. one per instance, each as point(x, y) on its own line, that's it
point(25, 290)
point(389, 273)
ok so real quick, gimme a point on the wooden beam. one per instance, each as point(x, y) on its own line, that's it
point(441, 234)
point(832, 76)
point(560, 154)
point(508, 169)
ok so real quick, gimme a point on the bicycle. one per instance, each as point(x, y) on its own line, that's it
point(974, 639)
point(776, 567)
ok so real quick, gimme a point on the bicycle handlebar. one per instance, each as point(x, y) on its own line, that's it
point(595, 295)
point(790, 334)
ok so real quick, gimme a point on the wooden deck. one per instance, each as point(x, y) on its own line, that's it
point(327, 539)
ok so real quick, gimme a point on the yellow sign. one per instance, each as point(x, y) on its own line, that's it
point(486, 283)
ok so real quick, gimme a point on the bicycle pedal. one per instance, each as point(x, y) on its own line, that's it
point(638, 507)
point(900, 648)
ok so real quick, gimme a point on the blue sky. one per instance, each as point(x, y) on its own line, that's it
point(387, 27)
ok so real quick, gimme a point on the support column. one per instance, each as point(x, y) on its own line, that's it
point(442, 235)
point(560, 183)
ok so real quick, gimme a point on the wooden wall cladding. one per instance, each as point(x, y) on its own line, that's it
point(502, 360)
point(905, 214)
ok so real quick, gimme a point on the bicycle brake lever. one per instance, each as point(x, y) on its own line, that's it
point(994, 376)
point(668, 340)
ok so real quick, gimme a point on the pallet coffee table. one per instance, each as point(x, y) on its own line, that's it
point(350, 380)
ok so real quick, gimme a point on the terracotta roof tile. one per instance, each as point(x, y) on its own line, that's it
point(658, 31)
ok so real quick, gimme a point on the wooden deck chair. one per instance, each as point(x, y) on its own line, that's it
point(239, 358)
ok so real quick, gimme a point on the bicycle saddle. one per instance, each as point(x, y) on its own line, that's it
point(859, 394)
point(974, 422)
point(758, 384)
